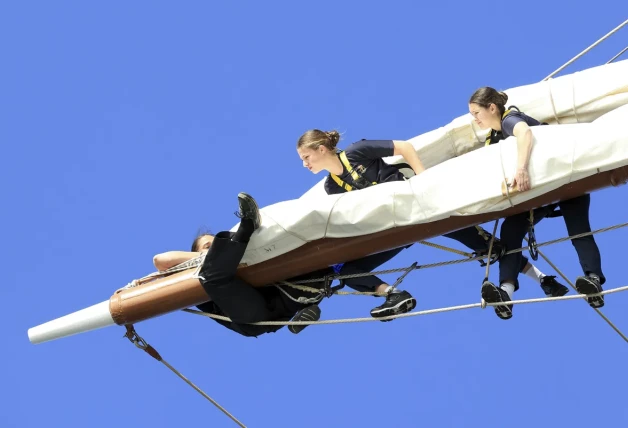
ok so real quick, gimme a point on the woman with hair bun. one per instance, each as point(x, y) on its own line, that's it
point(488, 107)
point(359, 166)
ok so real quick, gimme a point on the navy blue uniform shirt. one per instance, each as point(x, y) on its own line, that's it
point(366, 158)
point(513, 118)
point(508, 125)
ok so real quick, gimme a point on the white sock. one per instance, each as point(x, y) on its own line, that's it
point(535, 274)
point(389, 289)
point(508, 288)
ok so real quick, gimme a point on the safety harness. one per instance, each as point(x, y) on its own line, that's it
point(495, 137)
point(359, 182)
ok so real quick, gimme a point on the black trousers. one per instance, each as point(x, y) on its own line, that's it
point(236, 298)
point(367, 264)
point(245, 304)
point(575, 212)
point(233, 297)
point(470, 238)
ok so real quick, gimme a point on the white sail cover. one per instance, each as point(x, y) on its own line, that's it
point(590, 106)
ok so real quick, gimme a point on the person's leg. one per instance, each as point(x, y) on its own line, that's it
point(367, 264)
point(471, 238)
point(305, 303)
point(512, 231)
point(238, 300)
point(227, 250)
point(576, 215)
point(397, 301)
point(548, 283)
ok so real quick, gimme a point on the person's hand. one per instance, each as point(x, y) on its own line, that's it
point(521, 181)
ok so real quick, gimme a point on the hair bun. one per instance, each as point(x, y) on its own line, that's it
point(504, 97)
point(334, 137)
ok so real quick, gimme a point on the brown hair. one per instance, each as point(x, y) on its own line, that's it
point(486, 96)
point(314, 138)
point(198, 238)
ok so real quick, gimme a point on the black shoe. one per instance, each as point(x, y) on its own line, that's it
point(493, 294)
point(553, 288)
point(249, 209)
point(590, 284)
point(311, 313)
point(398, 302)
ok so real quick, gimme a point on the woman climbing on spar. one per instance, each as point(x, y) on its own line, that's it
point(361, 165)
point(488, 107)
point(244, 304)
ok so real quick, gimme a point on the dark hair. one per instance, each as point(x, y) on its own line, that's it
point(486, 96)
point(199, 235)
point(314, 138)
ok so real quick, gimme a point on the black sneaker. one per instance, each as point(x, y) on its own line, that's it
point(311, 313)
point(398, 302)
point(590, 284)
point(553, 288)
point(249, 209)
point(493, 294)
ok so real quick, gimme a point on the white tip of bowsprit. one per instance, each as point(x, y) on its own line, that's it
point(87, 319)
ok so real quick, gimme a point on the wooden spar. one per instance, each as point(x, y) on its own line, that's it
point(182, 290)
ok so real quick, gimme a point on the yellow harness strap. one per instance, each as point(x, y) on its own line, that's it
point(488, 137)
point(354, 174)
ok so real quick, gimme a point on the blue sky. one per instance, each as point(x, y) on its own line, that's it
point(127, 126)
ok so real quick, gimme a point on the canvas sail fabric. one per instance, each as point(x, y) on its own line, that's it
point(465, 178)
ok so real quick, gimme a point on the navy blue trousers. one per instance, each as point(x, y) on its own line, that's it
point(367, 264)
point(244, 303)
point(236, 298)
point(575, 212)
point(470, 238)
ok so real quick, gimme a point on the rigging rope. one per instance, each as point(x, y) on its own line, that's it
point(416, 313)
point(618, 55)
point(135, 338)
point(457, 261)
point(195, 262)
point(414, 266)
point(571, 61)
point(604, 317)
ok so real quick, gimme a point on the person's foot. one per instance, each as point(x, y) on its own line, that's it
point(493, 294)
point(497, 251)
point(590, 284)
point(397, 302)
point(553, 288)
point(249, 209)
point(311, 313)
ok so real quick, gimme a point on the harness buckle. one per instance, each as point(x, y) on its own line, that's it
point(533, 247)
point(329, 291)
point(494, 257)
point(497, 252)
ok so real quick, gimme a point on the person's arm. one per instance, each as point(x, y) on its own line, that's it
point(406, 150)
point(169, 259)
point(524, 149)
point(375, 149)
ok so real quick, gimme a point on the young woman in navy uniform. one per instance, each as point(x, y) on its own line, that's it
point(488, 107)
point(361, 165)
point(230, 296)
